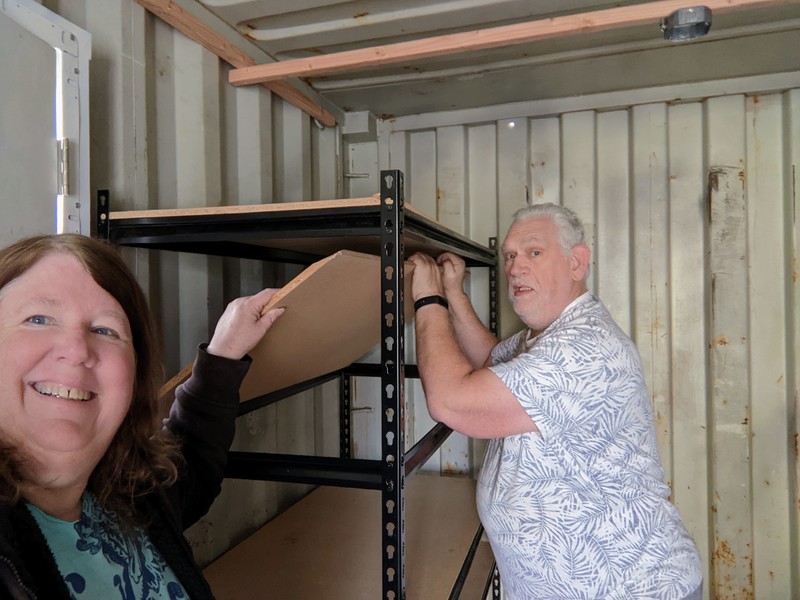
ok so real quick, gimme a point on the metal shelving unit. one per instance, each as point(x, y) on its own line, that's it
point(381, 226)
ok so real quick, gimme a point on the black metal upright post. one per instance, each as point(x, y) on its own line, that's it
point(392, 386)
point(494, 327)
point(345, 412)
point(494, 312)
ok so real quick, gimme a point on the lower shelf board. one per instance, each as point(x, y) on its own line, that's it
point(328, 545)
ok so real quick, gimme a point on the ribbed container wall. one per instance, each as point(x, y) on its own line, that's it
point(689, 209)
point(168, 131)
point(690, 213)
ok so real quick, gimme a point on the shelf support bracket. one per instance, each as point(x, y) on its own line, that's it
point(392, 385)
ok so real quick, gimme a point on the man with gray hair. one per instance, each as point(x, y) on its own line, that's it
point(571, 490)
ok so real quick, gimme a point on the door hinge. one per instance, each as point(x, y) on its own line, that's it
point(62, 160)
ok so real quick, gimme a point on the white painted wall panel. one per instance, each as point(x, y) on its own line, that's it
point(690, 214)
point(768, 209)
point(168, 131)
point(688, 329)
point(612, 258)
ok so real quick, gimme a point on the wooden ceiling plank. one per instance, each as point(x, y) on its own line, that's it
point(481, 39)
point(212, 41)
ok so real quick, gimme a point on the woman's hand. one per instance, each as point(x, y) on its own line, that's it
point(242, 325)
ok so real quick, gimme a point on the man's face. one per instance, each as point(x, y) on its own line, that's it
point(541, 279)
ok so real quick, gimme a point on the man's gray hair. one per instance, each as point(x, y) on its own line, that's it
point(570, 228)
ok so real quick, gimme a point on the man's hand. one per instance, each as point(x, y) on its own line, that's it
point(427, 277)
point(242, 325)
point(453, 271)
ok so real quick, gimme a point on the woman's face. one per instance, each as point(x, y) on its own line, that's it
point(67, 368)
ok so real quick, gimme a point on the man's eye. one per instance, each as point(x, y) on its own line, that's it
point(38, 320)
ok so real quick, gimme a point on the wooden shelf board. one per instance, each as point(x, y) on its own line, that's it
point(328, 545)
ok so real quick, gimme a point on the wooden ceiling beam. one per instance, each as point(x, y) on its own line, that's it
point(481, 39)
point(212, 41)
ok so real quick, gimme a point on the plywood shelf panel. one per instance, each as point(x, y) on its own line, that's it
point(328, 546)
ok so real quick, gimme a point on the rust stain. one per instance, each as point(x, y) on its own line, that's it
point(745, 421)
point(656, 327)
point(713, 179)
point(721, 341)
point(439, 194)
point(723, 553)
point(360, 15)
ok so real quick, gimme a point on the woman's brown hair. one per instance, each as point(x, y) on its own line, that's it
point(140, 457)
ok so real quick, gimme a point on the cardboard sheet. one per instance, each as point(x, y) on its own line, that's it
point(332, 318)
point(328, 545)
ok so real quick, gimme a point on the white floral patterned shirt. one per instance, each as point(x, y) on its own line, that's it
point(578, 510)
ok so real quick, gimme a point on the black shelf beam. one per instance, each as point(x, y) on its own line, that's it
point(247, 235)
point(318, 470)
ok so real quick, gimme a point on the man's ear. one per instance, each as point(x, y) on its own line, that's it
point(579, 261)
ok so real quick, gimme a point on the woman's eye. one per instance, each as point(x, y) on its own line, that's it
point(107, 331)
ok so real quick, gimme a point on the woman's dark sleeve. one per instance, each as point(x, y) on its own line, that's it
point(203, 416)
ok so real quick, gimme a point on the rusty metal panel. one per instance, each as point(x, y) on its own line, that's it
point(731, 560)
point(651, 282)
point(690, 213)
point(688, 223)
point(769, 209)
point(792, 176)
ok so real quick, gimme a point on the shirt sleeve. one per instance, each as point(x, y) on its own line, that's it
point(560, 381)
point(203, 417)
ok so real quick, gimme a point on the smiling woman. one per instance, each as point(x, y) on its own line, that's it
point(54, 291)
point(94, 492)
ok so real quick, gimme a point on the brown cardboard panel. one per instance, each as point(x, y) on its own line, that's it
point(328, 545)
point(333, 317)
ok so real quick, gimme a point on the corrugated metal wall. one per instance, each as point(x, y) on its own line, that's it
point(168, 131)
point(690, 210)
point(690, 213)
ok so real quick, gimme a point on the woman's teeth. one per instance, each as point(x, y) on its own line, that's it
point(61, 391)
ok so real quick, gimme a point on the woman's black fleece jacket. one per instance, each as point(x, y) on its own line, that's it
point(204, 417)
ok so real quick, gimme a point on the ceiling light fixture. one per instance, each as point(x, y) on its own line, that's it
point(686, 24)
